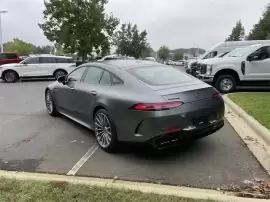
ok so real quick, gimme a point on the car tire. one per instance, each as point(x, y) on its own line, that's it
point(225, 83)
point(59, 73)
point(50, 105)
point(10, 76)
point(105, 131)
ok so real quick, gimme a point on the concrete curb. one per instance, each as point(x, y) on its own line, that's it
point(120, 184)
point(263, 132)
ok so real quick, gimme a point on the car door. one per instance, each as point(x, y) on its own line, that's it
point(28, 67)
point(95, 83)
point(65, 95)
point(258, 65)
point(45, 67)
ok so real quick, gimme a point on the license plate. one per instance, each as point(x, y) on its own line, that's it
point(200, 121)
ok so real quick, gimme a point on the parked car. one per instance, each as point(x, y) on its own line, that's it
point(116, 57)
point(220, 50)
point(150, 59)
point(40, 66)
point(244, 67)
point(137, 101)
point(7, 58)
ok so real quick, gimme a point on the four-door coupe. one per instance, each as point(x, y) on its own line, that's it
point(137, 101)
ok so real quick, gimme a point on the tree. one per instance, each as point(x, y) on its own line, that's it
point(238, 32)
point(261, 30)
point(79, 26)
point(178, 56)
point(163, 52)
point(129, 41)
point(18, 46)
point(42, 49)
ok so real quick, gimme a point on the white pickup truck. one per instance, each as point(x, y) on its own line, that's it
point(247, 66)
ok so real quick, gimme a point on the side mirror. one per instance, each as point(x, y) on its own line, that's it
point(252, 58)
point(61, 79)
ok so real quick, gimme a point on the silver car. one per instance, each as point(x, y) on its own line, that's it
point(137, 101)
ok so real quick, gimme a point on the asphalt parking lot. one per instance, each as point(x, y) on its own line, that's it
point(31, 140)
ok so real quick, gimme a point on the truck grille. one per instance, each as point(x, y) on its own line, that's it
point(202, 68)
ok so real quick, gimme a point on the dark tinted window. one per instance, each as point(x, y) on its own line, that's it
point(105, 79)
point(46, 60)
point(11, 56)
point(64, 60)
point(160, 75)
point(77, 74)
point(115, 80)
point(8, 56)
point(34, 60)
point(93, 75)
point(262, 53)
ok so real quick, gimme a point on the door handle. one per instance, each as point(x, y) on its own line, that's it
point(94, 93)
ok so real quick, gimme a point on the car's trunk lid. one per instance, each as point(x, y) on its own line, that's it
point(186, 92)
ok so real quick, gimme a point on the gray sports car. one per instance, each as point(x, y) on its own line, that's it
point(137, 101)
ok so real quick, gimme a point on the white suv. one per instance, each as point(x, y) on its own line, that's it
point(248, 66)
point(39, 66)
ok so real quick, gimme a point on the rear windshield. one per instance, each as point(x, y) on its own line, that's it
point(159, 75)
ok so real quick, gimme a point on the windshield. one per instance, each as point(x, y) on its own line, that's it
point(240, 52)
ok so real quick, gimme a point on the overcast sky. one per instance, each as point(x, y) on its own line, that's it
point(175, 23)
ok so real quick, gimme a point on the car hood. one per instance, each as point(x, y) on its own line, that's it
point(214, 61)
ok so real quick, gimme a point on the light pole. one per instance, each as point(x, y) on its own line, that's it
point(1, 35)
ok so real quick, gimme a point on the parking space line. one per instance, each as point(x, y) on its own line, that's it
point(83, 160)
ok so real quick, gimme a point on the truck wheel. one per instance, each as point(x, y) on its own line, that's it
point(10, 76)
point(225, 83)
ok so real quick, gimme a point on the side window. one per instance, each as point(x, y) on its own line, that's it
point(2, 56)
point(115, 80)
point(34, 60)
point(63, 60)
point(11, 56)
point(93, 75)
point(45, 60)
point(105, 79)
point(262, 53)
point(76, 75)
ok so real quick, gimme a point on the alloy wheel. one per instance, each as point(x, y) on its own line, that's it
point(49, 102)
point(103, 130)
point(10, 77)
point(226, 84)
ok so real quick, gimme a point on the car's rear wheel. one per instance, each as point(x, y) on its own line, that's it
point(59, 73)
point(225, 83)
point(50, 103)
point(105, 131)
point(10, 76)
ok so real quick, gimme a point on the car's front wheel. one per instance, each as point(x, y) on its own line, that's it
point(10, 76)
point(225, 83)
point(50, 105)
point(105, 131)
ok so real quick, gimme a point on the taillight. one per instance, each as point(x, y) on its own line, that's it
point(216, 95)
point(156, 106)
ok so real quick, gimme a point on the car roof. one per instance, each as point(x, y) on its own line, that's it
point(121, 64)
point(55, 56)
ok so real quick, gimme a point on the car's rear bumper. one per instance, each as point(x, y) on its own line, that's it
point(175, 139)
point(149, 126)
